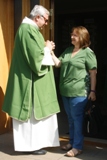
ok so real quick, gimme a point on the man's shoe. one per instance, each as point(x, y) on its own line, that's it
point(40, 152)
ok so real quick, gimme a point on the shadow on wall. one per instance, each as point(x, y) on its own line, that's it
point(5, 120)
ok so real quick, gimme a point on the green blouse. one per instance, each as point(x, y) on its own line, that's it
point(74, 72)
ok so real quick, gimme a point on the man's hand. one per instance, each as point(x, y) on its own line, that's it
point(50, 45)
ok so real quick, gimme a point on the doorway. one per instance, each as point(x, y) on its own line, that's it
point(65, 18)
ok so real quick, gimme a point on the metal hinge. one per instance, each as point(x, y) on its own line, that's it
point(51, 26)
point(51, 12)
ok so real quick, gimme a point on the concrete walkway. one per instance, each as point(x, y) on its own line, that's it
point(94, 149)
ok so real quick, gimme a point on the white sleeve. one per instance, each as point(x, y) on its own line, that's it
point(47, 59)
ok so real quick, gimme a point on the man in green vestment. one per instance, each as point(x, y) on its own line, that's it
point(30, 97)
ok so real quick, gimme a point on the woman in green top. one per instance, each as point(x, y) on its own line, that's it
point(78, 63)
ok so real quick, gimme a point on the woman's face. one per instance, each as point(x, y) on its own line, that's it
point(75, 40)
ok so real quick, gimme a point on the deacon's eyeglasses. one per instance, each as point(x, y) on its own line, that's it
point(46, 20)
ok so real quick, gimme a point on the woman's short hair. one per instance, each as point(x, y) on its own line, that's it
point(84, 36)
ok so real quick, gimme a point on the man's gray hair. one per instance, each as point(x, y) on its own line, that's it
point(38, 10)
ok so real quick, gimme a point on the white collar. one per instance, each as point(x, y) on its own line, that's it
point(29, 21)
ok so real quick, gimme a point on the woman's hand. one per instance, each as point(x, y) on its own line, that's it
point(92, 96)
point(53, 45)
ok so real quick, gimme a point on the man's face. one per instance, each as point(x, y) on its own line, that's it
point(41, 21)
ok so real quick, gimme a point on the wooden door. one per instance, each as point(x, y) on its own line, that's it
point(6, 46)
point(47, 29)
